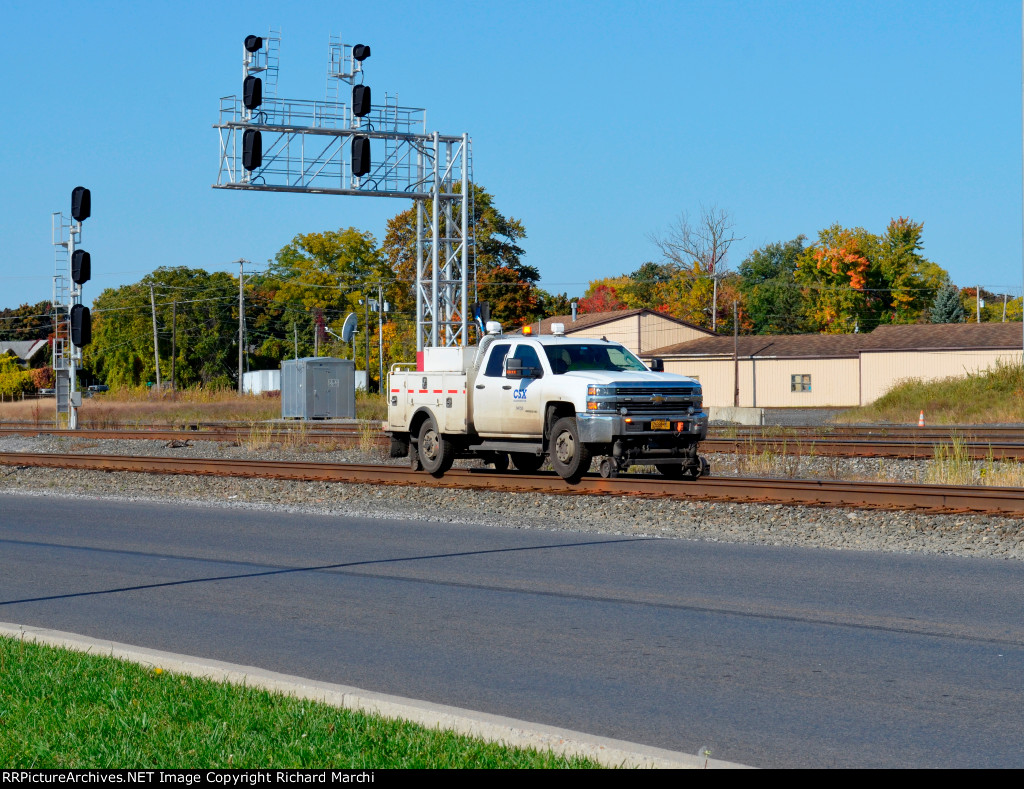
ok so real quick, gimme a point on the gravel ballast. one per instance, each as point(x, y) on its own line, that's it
point(762, 524)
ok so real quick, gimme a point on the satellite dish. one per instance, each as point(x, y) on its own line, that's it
point(349, 328)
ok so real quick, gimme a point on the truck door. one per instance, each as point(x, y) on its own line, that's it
point(522, 415)
point(487, 392)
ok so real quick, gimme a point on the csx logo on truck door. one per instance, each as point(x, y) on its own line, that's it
point(518, 394)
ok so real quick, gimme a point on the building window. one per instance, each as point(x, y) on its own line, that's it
point(800, 383)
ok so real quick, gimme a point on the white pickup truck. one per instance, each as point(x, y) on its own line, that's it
point(526, 399)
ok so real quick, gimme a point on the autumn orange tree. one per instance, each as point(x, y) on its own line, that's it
point(603, 295)
point(854, 280)
point(834, 274)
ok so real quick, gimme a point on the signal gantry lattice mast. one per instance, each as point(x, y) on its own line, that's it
point(324, 147)
point(72, 324)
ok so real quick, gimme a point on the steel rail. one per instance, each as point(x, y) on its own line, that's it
point(829, 493)
point(930, 432)
point(346, 434)
point(349, 435)
point(919, 449)
point(975, 433)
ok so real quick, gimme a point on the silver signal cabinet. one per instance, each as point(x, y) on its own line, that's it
point(318, 387)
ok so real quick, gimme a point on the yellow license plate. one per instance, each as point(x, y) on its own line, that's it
point(660, 424)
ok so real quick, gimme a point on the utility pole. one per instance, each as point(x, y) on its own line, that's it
point(367, 325)
point(380, 335)
point(174, 343)
point(977, 299)
point(241, 322)
point(295, 332)
point(735, 355)
point(156, 347)
point(714, 300)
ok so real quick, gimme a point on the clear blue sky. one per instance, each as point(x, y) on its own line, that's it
point(595, 123)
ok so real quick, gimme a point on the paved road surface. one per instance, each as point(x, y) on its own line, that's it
point(771, 657)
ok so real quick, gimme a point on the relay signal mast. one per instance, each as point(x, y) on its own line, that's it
point(348, 145)
point(71, 319)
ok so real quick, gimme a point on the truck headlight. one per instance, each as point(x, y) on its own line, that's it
point(600, 391)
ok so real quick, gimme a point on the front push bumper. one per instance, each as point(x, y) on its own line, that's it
point(605, 428)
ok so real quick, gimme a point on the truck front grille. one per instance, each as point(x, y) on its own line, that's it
point(655, 400)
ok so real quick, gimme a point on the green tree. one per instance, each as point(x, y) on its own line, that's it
point(991, 305)
point(26, 322)
point(946, 307)
point(13, 379)
point(327, 274)
point(771, 296)
point(911, 281)
point(502, 278)
point(551, 304)
point(647, 286)
point(197, 316)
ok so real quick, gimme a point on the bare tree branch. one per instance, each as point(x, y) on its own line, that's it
point(704, 241)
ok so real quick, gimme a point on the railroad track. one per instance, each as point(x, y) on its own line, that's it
point(981, 444)
point(871, 495)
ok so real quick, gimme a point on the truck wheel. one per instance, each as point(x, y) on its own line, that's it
point(526, 462)
point(436, 452)
point(569, 456)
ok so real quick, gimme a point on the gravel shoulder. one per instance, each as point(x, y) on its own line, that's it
point(760, 524)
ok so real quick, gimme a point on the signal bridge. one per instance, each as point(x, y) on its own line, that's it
point(361, 149)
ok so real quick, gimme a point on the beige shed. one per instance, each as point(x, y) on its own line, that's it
point(639, 330)
point(844, 370)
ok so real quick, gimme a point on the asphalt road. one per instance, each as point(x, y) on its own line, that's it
point(771, 657)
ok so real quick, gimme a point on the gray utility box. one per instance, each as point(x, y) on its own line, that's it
point(318, 387)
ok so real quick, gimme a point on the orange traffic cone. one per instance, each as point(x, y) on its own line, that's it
point(920, 420)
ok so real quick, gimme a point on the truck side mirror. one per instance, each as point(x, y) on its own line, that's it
point(657, 365)
point(514, 368)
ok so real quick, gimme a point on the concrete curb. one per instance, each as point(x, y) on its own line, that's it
point(493, 728)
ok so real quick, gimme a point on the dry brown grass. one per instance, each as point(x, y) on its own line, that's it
point(146, 407)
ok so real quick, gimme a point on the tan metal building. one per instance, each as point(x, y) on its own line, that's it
point(845, 370)
point(639, 330)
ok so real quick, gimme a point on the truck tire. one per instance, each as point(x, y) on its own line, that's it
point(436, 452)
point(527, 462)
point(570, 457)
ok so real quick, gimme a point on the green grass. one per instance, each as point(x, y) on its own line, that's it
point(994, 396)
point(65, 709)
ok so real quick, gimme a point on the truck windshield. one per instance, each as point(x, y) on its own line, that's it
point(569, 358)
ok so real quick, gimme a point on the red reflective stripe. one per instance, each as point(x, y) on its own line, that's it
point(422, 391)
point(396, 390)
point(438, 391)
point(453, 391)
